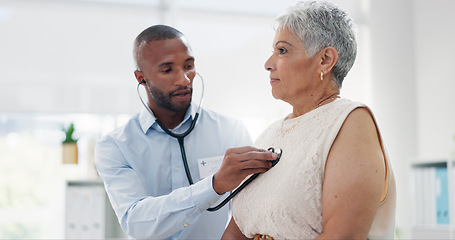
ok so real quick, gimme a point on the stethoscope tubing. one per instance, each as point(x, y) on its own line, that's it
point(244, 184)
point(181, 137)
point(234, 193)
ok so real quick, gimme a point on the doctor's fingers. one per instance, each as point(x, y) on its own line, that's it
point(244, 149)
point(255, 165)
point(249, 153)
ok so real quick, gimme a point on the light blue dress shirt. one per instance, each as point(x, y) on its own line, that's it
point(145, 179)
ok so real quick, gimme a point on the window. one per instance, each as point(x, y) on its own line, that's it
point(32, 173)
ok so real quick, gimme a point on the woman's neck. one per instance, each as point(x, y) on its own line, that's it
point(312, 102)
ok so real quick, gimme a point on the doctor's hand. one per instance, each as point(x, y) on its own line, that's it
point(238, 163)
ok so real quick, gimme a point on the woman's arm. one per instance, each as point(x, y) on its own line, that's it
point(233, 232)
point(354, 179)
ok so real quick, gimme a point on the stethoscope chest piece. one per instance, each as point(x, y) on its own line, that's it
point(279, 152)
point(245, 183)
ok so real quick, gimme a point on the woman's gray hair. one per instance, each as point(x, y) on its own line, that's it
point(320, 25)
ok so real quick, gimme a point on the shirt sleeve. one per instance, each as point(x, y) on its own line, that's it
point(140, 215)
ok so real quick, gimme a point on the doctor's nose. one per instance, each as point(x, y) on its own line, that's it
point(184, 78)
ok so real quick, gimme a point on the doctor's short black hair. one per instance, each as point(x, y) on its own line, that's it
point(158, 32)
point(154, 33)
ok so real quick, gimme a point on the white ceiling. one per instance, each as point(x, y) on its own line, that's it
point(256, 7)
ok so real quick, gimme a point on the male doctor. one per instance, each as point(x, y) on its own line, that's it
point(141, 165)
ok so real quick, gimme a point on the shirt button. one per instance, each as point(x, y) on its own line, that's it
point(185, 225)
point(177, 169)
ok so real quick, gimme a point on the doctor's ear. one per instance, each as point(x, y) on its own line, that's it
point(140, 77)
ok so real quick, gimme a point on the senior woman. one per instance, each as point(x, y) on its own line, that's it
point(334, 179)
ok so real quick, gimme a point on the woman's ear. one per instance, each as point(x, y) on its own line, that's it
point(329, 57)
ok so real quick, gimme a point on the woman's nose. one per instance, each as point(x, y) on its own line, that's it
point(269, 65)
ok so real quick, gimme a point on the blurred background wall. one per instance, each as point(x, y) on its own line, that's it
point(70, 61)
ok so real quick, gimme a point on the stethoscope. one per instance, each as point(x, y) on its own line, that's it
point(180, 137)
point(246, 182)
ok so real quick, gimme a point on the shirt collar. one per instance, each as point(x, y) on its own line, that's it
point(148, 120)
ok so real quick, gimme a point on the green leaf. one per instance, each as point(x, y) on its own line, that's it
point(69, 134)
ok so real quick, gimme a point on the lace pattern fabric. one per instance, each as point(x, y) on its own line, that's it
point(285, 202)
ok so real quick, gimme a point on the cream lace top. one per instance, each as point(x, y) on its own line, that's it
point(285, 202)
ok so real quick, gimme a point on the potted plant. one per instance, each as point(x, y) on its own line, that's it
point(69, 146)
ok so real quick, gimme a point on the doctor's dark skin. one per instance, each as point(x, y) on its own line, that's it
point(167, 67)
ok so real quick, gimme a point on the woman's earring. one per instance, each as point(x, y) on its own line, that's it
point(322, 75)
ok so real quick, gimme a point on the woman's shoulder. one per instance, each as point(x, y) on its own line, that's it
point(342, 108)
point(345, 102)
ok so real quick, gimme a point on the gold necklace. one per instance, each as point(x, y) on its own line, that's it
point(331, 97)
point(283, 133)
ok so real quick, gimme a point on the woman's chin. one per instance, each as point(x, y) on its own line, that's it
point(276, 95)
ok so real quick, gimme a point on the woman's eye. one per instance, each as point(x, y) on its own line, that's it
point(189, 66)
point(282, 50)
point(167, 70)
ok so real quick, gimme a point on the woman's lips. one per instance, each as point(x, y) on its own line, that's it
point(274, 80)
